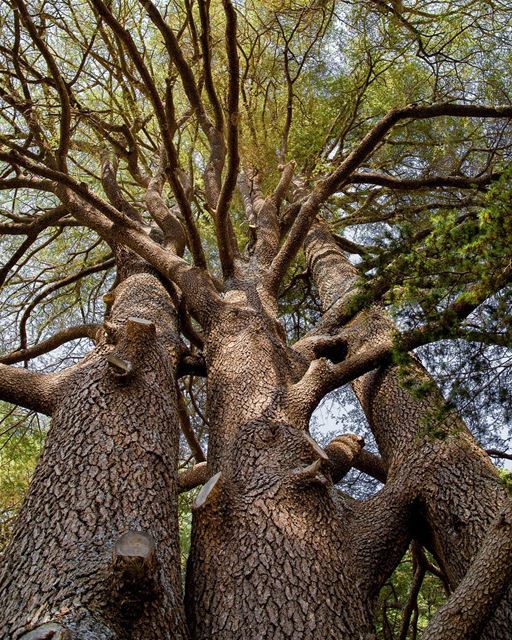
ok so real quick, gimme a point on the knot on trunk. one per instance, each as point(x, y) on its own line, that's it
point(134, 565)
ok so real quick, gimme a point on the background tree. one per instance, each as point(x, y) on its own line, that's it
point(183, 185)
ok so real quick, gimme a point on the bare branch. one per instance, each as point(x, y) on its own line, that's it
point(495, 453)
point(174, 234)
point(165, 128)
point(328, 186)
point(75, 277)
point(187, 429)
point(57, 340)
point(430, 182)
point(113, 191)
point(372, 465)
point(65, 120)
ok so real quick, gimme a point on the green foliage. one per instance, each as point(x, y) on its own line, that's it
point(506, 480)
point(394, 596)
point(444, 257)
point(185, 502)
point(21, 441)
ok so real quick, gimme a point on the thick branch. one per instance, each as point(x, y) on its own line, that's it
point(474, 601)
point(342, 452)
point(193, 477)
point(174, 234)
point(113, 191)
point(29, 389)
point(372, 465)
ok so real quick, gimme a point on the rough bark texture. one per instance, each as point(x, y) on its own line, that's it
point(108, 468)
point(459, 493)
point(276, 552)
point(464, 616)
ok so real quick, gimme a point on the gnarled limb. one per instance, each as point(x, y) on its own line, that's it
point(112, 189)
point(462, 494)
point(174, 234)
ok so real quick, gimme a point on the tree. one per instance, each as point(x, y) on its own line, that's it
point(218, 157)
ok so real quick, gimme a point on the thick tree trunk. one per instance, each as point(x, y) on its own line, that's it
point(95, 551)
point(276, 552)
point(459, 492)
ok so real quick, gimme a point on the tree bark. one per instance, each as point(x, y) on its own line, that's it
point(276, 551)
point(459, 492)
point(95, 549)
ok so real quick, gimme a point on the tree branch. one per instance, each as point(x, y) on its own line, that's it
point(193, 477)
point(430, 182)
point(113, 225)
point(329, 185)
point(475, 599)
point(495, 453)
point(57, 340)
point(29, 389)
point(62, 89)
point(225, 236)
point(165, 128)
point(95, 268)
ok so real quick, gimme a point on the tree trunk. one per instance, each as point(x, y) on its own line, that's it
point(95, 550)
point(276, 552)
point(459, 491)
